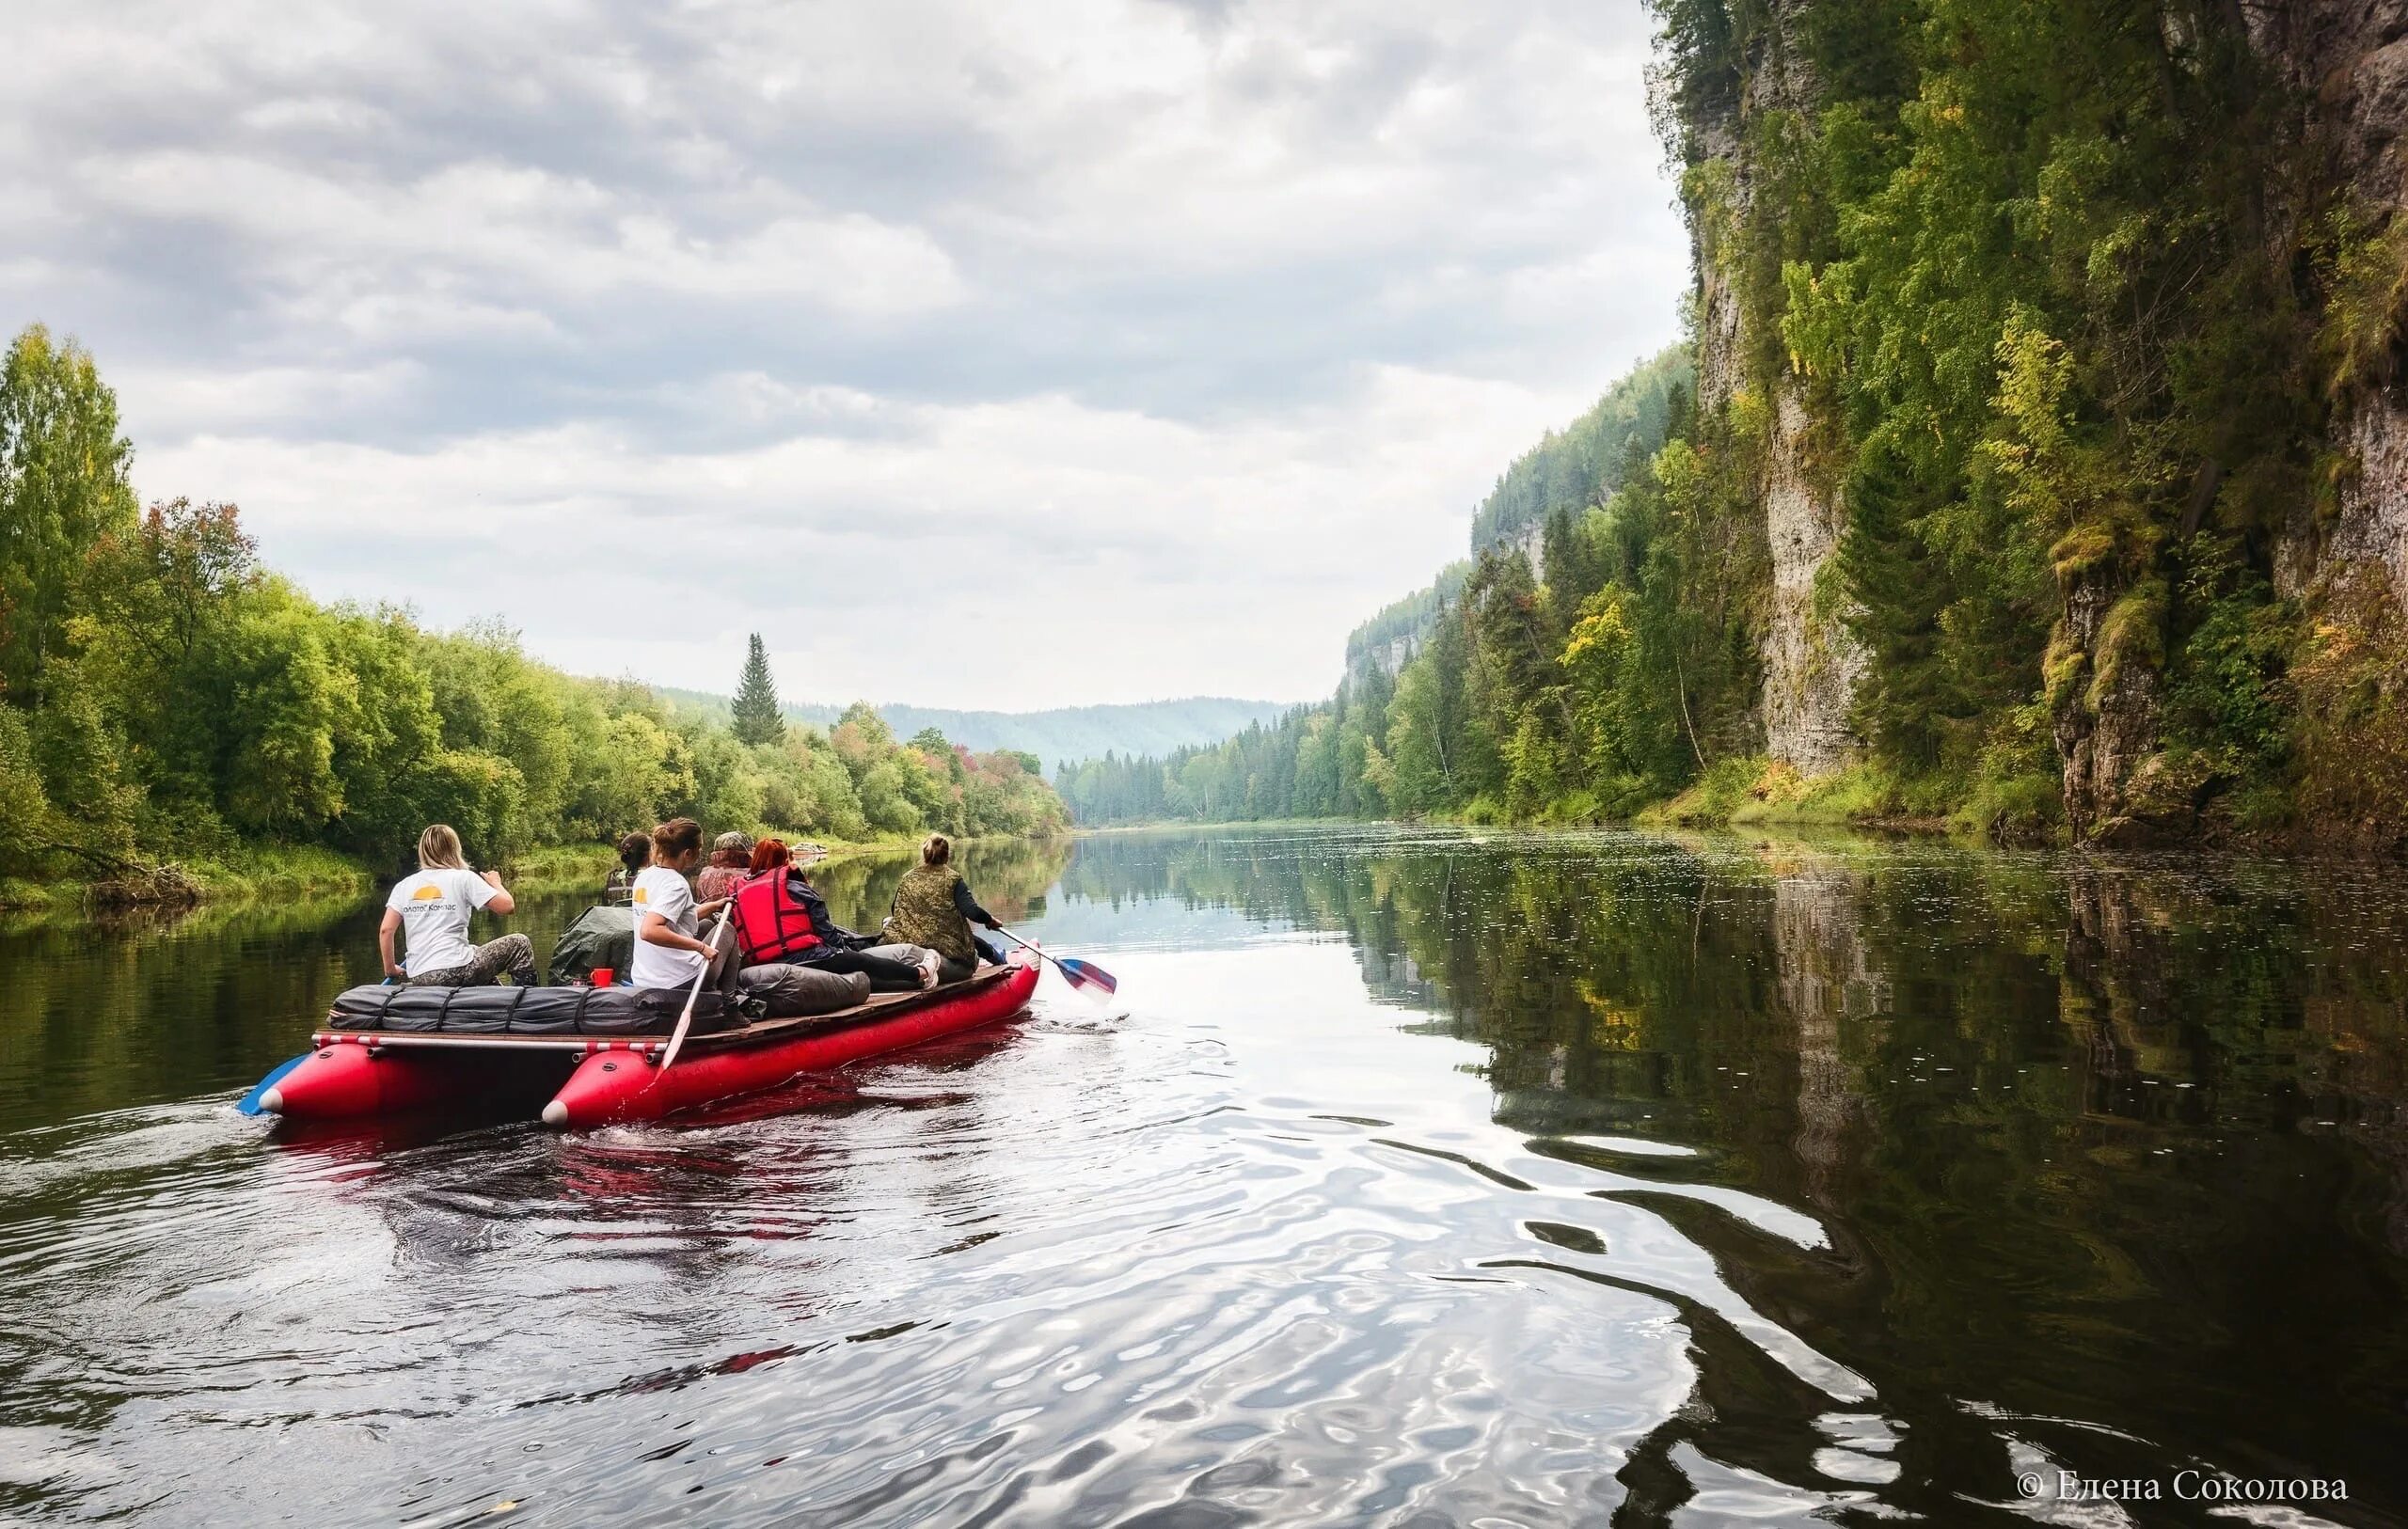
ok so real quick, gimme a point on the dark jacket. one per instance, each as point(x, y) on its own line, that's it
point(968, 907)
point(834, 937)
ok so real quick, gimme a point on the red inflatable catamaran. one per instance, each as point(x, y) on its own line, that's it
point(605, 1079)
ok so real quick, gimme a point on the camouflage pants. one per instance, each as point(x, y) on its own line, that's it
point(513, 954)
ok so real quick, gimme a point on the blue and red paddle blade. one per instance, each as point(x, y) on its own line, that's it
point(1086, 976)
point(249, 1103)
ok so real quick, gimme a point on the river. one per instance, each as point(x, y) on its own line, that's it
point(1414, 1177)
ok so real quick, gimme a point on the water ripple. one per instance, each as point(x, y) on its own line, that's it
point(1260, 1248)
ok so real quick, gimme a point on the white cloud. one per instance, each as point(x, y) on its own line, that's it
point(1105, 549)
point(1149, 350)
point(263, 398)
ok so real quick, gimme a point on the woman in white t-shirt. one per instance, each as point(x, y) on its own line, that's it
point(668, 952)
point(431, 909)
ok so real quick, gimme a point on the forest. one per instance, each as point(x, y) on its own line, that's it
point(2074, 330)
point(1492, 695)
point(168, 701)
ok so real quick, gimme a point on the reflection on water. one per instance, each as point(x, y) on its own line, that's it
point(1422, 1178)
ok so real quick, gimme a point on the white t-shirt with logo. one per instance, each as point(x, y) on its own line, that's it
point(435, 907)
point(660, 889)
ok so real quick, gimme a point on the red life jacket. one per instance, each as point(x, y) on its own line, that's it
point(770, 921)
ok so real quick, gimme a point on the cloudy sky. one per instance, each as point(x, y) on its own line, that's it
point(973, 354)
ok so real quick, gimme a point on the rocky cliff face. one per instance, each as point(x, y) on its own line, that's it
point(2342, 66)
point(2348, 61)
point(1387, 658)
point(1811, 661)
point(2106, 716)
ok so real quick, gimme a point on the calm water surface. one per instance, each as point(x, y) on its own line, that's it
point(1415, 1178)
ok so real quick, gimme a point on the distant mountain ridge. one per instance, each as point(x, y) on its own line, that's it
point(1064, 732)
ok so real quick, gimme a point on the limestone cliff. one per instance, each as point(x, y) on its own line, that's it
point(2336, 189)
point(1810, 662)
point(2347, 61)
point(2340, 69)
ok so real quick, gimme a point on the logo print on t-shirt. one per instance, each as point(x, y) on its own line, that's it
point(428, 894)
point(643, 894)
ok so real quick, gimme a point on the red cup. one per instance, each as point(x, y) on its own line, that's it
point(602, 976)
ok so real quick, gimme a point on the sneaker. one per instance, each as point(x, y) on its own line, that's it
point(928, 970)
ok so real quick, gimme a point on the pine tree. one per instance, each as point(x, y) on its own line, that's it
point(756, 717)
point(1900, 589)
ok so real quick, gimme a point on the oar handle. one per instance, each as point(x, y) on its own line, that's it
point(685, 1020)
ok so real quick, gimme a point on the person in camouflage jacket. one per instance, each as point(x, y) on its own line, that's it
point(933, 908)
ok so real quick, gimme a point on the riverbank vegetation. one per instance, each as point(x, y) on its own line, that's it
point(177, 720)
point(1604, 686)
point(2058, 360)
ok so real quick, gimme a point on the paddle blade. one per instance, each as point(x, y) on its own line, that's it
point(250, 1104)
point(1086, 976)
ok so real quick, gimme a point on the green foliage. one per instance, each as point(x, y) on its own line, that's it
point(755, 709)
point(2349, 677)
point(1717, 794)
point(293, 725)
point(2031, 325)
point(25, 802)
point(62, 488)
point(1699, 45)
point(80, 755)
point(804, 784)
point(2023, 808)
point(1568, 699)
point(1408, 619)
point(2048, 338)
point(1898, 591)
point(2363, 342)
point(1582, 463)
point(2018, 792)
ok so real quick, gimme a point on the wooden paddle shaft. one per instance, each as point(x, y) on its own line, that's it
point(685, 1020)
point(1026, 946)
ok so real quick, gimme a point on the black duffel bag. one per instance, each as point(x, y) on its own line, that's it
point(527, 1011)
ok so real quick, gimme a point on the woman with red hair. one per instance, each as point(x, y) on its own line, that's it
point(781, 917)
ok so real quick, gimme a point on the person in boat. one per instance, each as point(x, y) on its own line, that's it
point(635, 853)
point(933, 907)
point(670, 924)
point(781, 917)
point(731, 862)
point(430, 909)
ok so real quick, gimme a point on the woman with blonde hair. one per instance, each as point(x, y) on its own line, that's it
point(432, 908)
point(933, 908)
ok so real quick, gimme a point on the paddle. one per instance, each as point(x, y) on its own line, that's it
point(1086, 976)
point(249, 1103)
point(677, 1036)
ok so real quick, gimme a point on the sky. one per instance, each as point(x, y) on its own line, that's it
point(975, 355)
